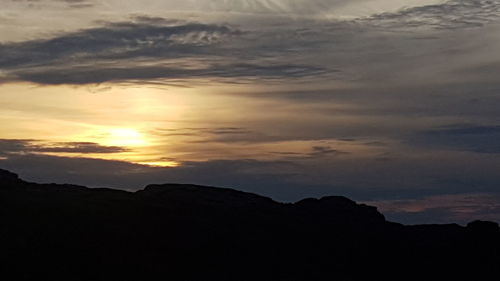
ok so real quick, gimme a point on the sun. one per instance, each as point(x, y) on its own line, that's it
point(124, 137)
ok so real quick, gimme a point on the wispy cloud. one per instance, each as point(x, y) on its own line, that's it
point(143, 50)
point(70, 3)
point(9, 146)
point(449, 15)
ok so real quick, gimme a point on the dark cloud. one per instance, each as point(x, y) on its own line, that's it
point(322, 171)
point(78, 4)
point(225, 135)
point(324, 150)
point(113, 41)
point(229, 131)
point(458, 208)
point(9, 146)
point(144, 50)
point(203, 132)
point(146, 19)
point(449, 15)
point(241, 135)
point(316, 152)
point(264, 177)
point(234, 73)
point(276, 179)
point(79, 147)
point(480, 139)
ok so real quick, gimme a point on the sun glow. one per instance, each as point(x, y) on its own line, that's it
point(124, 137)
point(160, 163)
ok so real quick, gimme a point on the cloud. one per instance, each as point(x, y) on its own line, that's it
point(265, 177)
point(321, 171)
point(215, 134)
point(79, 3)
point(113, 41)
point(281, 180)
point(317, 152)
point(202, 131)
point(152, 49)
point(9, 146)
point(449, 15)
point(479, 139)
point(146, 49)
point(70, 3)
point(456, 208)
point(303, 7)
point(231, 73)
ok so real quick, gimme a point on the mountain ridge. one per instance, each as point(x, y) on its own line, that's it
point(191, 232)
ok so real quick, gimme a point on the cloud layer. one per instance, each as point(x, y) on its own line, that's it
point(10, 147)
point(156, 49)
point(452, 14)
point(149, 49)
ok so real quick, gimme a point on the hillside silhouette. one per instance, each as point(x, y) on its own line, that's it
point(196, 233)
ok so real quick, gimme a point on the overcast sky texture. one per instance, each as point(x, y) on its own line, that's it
point(390, 102)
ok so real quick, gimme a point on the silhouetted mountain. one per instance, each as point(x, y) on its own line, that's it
point(189, 232)
point(7, 177)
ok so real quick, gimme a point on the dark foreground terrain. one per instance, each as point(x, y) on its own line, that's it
point(195, 233)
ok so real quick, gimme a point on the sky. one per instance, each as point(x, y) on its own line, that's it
point(393, 103)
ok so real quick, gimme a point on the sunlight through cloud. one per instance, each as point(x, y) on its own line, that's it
point(124, 137)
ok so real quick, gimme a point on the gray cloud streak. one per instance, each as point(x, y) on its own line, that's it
point(9, 146)
point(449, 15)
point(141, 51)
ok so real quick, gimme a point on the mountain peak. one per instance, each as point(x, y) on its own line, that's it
point(9, 177)
point(349, 209)
point(204, 195)
point(484, 226)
